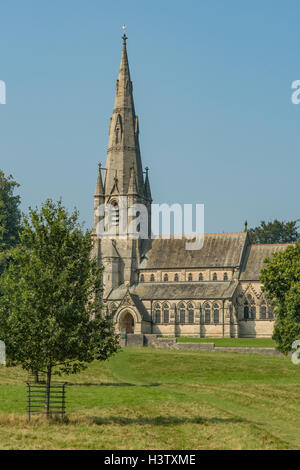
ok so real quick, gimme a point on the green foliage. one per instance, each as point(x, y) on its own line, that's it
point(50, 313)
point(275, 232)
point(10, 216)
point(281, 279)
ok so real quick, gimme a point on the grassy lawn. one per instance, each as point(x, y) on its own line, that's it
point(232, 342)
point(146, 398)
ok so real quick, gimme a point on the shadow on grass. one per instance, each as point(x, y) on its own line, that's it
point(108, 384)
point(164, 420)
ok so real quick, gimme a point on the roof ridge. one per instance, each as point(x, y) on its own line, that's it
point(155, 237)
point(273, 244)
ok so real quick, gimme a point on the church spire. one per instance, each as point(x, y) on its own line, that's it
point(123, 143)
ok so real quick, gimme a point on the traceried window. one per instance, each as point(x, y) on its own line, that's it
point(166, 312)
point(166, 278)
point(190, 277)
point(157, 313)
point(207, 313)
point(181, 312)
point(142, 278)
point(263, 310)
point(200, 277)
point(176, 278)
point(215, 277)
point(190, 313)
point(225, 277)
point(216, 313)
point(152, 278)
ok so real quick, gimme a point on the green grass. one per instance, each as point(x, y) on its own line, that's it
point(145, 398)
point(232, 342)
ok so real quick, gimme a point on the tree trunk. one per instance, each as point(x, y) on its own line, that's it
point(47, 398)
point(36, 377)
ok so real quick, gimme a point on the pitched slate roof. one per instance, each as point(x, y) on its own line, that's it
point(219, 250)
point(178, 290)
point(254, 259)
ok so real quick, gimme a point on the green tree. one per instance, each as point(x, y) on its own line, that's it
point(281, 282)
point(10, 216)
point(51, 317)
point(275, 232)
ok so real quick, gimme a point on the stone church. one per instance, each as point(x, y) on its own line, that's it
point(157, 286)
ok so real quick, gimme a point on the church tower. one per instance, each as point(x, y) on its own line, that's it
point(121, 184)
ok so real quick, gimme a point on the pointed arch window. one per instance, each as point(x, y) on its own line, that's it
point(246, 310)
point(152, 278)
point(200, 277)
point(190, 277)
point(176, 278)
point(215, 277)
point(157, 313)
point(216, 313)
point(263, 310)
point(225, 277)
point(207, 313)
point(166, 278)
point(142, 278)
point(270, 313)
point(113, 308)
point(181, 313)
point(166, 312)
point(191, 313)
point(252, 310)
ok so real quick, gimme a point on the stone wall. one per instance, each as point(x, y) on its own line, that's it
point(170, 343)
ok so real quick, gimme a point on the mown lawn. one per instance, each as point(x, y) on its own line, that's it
point(232, 342)
point(146, 398)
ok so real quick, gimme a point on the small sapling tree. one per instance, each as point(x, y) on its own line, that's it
point(51, 317)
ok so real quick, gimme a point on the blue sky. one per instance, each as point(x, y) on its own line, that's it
point(212, 88)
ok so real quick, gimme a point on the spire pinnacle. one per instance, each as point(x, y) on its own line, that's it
point(99, 191)
point(147, 186)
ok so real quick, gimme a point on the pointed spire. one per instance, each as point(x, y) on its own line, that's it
point(246, 226)
point(123, 142)
point(99, 190)
point(147, 186)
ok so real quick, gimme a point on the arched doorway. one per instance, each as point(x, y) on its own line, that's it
point(127, 323)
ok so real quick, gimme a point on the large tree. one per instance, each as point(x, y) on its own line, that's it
point(10, 216)
point(281, 282)
point(51, 317)
point(275, 232)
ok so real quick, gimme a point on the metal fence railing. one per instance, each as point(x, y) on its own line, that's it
point(36, 399)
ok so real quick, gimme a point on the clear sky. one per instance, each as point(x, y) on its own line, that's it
point(212, 88)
